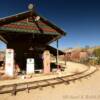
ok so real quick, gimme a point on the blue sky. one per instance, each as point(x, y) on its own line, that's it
point(79, 18)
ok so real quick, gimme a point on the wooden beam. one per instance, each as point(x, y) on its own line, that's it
point(2, 39)
point(57, 53)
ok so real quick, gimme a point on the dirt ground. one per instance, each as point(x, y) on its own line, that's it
point(85, 89)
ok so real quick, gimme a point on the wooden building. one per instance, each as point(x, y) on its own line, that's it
point(29, 34)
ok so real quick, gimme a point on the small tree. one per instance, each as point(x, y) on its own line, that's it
point(97, 54)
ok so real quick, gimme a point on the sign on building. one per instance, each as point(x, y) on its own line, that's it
point(9, 62)
point(30, 66)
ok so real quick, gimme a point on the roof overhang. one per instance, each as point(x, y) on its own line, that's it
point(24, 23)
point(54, 50)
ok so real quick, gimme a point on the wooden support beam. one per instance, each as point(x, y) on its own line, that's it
point(2, 39)
point(57, 52)
point(27, 88)
point(14, 89)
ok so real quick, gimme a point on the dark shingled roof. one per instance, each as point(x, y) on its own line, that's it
point(25, 22)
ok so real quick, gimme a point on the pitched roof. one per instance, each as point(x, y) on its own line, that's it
point(25, 22)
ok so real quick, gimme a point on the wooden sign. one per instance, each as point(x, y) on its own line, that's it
point(9, 62)
point(46, 61)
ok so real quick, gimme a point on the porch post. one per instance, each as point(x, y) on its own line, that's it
point(65, 59)
point(57, 61)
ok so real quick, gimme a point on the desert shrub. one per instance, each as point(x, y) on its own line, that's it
point(97, 52)
point(93, 62)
